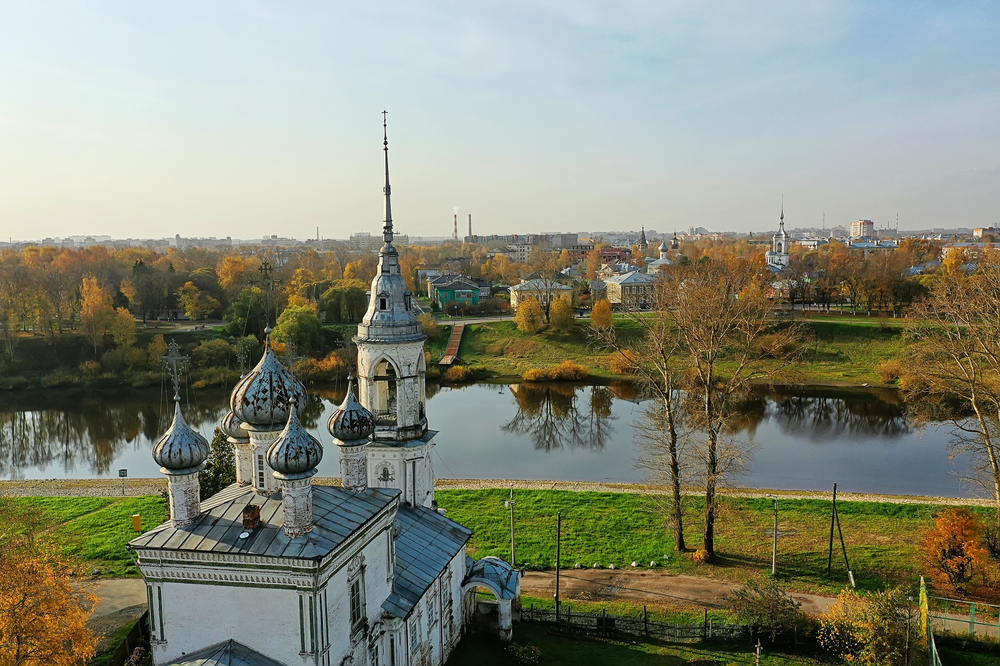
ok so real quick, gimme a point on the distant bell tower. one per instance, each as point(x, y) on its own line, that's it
point(391, 370)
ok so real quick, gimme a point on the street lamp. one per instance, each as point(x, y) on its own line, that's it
point(510, 504)
point(774, 549)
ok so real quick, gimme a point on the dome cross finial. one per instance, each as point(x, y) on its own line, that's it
point(174, 364)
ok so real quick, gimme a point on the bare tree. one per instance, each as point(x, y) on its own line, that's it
point(720, 312)
point(655, 357)
point(958, 326)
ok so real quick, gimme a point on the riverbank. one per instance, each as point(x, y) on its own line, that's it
point(835, 350)
point(139, 487)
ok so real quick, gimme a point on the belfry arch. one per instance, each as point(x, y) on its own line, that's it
point(385, 392)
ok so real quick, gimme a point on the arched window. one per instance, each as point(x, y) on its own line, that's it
point(385, 393)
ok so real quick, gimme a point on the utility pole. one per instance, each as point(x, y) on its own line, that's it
point(774, 548)
point(510, 504)
point(833, 521)
point(558, 548)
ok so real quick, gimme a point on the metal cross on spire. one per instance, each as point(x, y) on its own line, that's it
point(387, 217)
point(174, 364)
point(268, 284)
point(291, 355)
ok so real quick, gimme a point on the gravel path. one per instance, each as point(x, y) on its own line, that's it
point(154, 486)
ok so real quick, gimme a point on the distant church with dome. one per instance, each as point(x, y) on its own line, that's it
point(275, 571)
point(777, 257)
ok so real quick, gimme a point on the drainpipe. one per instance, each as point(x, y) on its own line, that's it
point(316, 614)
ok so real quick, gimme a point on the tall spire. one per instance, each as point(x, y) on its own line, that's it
point(387, 218)
point(782, 218)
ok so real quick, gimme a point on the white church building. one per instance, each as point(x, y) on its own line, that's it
point(275, 571)
point(777, 257)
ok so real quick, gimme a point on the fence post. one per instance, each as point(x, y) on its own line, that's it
point(645, 620)
point(704, 626)
point(972, 619)
point(604, 622)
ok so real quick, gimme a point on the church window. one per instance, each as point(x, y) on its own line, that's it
point(431, 607)
point(392, 650)
point(382, 304)
point(357, 604)
point(260, 471)
point(407, 299)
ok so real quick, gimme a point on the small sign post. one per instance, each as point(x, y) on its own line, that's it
point(122, 474)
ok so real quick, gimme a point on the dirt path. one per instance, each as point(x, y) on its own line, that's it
point(154, 486)
point(645, 587)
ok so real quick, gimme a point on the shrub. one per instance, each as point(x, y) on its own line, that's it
point(430, 326)
point(144, 379)
point(90, 368)
point(212, 354)
point(459, 373)
point(58, 378)
point(762, 604)
point(216, 377)
point(113, 361)
point(299, 324)
point(889, 371)
point(567, 371)
point(953, 548)
point(524, 654)
point(701, 556)
point(624, 362)
point(774, 346)
point(870, 628)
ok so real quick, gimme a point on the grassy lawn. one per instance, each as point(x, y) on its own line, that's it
point(94, 530)
point(835, 350)
point(610, 528)
point(480, 650)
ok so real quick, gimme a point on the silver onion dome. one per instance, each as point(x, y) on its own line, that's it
point(351, 421)
point(263, 396)
point(296, 453)
point(230, 427)
point(181, 449)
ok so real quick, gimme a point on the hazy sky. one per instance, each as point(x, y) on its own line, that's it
point(247, 118)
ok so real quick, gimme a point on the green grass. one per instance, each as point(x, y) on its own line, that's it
point(93, 531)
point(834, 350)
point(882, 539)
point(480, 650)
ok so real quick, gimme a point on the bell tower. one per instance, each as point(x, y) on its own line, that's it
point(391, 369)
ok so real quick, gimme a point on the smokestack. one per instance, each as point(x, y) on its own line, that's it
point(454, 234)
point(470, 226)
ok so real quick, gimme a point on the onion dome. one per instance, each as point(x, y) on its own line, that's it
point(181, 449)
point(296, 453)
point(263, 396)
point(351, 421)
point(230, 426)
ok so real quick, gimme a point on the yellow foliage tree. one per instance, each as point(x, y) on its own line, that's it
point(529, 318)
point(561, 314)
point(43, 613)
point(95, 310)
point(235, 272)
point(600, 315)
point(353, 270)
point(121, 326)
point(197, 304)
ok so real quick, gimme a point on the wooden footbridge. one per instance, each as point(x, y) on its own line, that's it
point(451, 353)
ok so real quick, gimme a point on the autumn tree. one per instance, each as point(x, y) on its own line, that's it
point(561, 315)
point(96, 312)
point(121, 327)
point(529, 317)
point(953, 548)
point(600, 315)
point(197, 304)
point(765, 606)
point(299, 324)
point(236, 273)
point(43, 611)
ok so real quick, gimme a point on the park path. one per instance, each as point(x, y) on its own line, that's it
point(596, 585)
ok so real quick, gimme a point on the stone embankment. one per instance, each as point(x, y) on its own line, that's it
point(154, 486)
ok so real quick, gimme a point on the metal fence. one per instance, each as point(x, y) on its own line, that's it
point(602, 624)
point(964, 617)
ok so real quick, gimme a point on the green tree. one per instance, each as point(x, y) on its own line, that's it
point(300, 325)
point(212, 354)
point(220, 471)
point(762, 604)
point(246, 314)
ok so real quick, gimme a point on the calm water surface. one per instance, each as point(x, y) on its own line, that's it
point(802, 438)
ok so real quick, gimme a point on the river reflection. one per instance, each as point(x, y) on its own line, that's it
point(804, 438)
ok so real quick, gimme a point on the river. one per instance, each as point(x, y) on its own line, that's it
point(799, 438)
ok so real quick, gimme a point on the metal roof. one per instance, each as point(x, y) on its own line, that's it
point(229, 653)
point(338, 513)
point(426, 543)
point(496, 574)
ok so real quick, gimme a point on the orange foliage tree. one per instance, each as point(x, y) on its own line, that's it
point(43, 614)
point(953, 548)
point(600, 315)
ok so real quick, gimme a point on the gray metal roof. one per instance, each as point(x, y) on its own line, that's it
point(426, 543)
point(338, 514)
point(496, 574)
point(229, 653)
